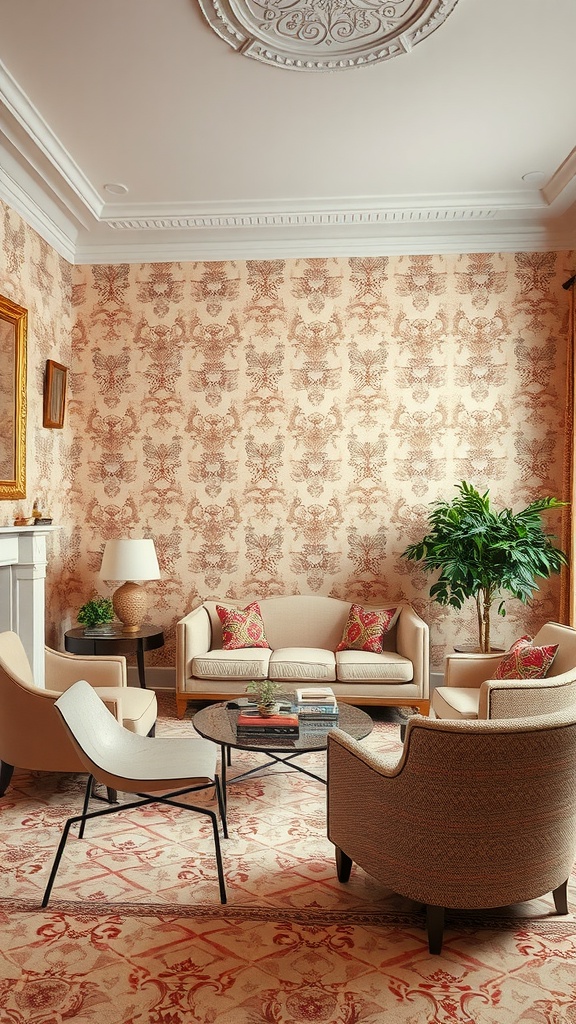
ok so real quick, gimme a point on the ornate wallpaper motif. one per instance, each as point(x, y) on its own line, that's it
point(282, 426)
point(36, 277)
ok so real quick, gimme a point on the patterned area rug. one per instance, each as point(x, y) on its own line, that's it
point(135, 932)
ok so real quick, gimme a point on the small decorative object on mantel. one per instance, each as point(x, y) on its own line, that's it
point(265, 692)
point(97, 616)
point(21, 520)
point(38, 517)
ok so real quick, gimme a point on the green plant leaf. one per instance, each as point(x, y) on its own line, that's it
point(481, 553)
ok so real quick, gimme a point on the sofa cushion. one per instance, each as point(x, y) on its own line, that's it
point(243, 665)
point(525, 661)
point(242, 627)
point(456, 701)
point(363, 666)
point(365, 628)
point(309, 663)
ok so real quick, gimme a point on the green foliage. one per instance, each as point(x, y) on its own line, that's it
point(96, 612)
point(482, 553)
point(265, 690)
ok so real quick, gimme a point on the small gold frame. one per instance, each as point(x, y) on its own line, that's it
point(55, 394)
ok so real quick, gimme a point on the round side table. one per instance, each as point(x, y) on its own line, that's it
point(148, 638)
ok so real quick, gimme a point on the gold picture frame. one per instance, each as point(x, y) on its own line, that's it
point(55, 394)
point(13, 351)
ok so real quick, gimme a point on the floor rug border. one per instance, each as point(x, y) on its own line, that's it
point(306, 916)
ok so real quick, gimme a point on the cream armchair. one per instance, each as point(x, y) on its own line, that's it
point(471, 815)
point(470, 691)
point(32, 735)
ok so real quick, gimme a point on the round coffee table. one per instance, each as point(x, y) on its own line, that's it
point(218, 723)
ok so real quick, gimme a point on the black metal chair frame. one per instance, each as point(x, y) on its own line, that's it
point(169, 799)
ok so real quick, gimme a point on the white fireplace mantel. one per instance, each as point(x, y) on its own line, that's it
point(22, 589)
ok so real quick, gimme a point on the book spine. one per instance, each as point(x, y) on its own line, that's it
point(326, 719)
point(316, 709)
point(280, 730)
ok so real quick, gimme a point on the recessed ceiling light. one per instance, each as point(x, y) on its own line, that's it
point(534, 177)
point(116, 189)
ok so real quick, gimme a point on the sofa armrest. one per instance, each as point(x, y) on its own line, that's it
point(469, 670)
point(413, 642)
point(62, 670)
point(193, 637)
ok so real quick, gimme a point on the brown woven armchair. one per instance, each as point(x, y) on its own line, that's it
point(473, 814)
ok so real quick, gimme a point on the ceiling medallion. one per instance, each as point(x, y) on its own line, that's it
point(324, 35)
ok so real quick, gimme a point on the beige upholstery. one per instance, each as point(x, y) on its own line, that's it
point(303, 631)
point(470, 691)
point(471, 815)
point(121, 760)
point(31, 733)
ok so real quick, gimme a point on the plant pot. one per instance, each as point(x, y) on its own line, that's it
point(267, 709)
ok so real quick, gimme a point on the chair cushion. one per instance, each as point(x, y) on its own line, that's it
point(310, 663)
point(456, 701)
point(525, 661)
point(365, 628)
point(244, 664)
point(138, 707)
point(242, 627)
point(362, 666)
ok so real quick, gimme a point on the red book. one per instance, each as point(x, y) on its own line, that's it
point(253, 719)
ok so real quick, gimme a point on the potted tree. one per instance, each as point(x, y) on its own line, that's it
point(482, 554)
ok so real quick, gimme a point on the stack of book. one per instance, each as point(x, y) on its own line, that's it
point(253, 725)
point(316, 707)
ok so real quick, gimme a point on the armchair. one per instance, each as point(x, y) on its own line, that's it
point(470, 691)
point(472, 814)
point(32, 735)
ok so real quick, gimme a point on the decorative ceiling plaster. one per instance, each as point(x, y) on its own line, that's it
point(324, 35)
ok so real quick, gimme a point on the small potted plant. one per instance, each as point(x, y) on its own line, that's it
point(96, 613)
point(266, 692)
point(482, 553)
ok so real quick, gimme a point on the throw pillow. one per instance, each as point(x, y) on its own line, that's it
point(525, 661)
point(242, 627)
point(365, 628)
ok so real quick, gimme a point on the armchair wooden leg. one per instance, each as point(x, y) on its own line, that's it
point(561, 898)
point(343, 865)
point(435, 927)
point(6, 772)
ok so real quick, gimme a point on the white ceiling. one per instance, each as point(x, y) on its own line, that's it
point(226, 157)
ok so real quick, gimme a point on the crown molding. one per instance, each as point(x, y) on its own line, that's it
point(295, 246)
point(40, 181)
point(38, 145)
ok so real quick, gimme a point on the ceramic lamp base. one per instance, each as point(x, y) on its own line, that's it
point(130, 603)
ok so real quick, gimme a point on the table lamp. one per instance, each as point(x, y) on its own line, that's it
point(130, 560)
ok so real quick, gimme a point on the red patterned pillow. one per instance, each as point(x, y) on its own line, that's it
point(365, 628)
point(524, 661)
point(242, 627)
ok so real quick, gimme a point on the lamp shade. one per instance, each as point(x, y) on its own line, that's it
point(129, 560)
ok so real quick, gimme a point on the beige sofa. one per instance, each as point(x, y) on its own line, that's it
point(303, 632)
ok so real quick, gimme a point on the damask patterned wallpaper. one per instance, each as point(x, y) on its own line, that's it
point(36, 277)
point(281, 426)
